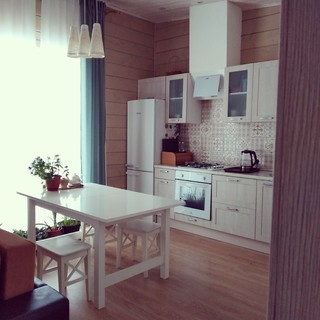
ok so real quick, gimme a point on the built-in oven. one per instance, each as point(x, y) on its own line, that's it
point(194, 188)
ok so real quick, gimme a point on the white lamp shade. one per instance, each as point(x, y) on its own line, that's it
point(84, 44)
point(73, 43)
point(96, 45)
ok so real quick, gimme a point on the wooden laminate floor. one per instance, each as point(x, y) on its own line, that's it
point(208, 280)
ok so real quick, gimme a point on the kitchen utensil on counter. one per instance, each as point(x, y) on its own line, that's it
point(249, 163)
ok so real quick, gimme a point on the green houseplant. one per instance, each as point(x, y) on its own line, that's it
point(69, 225)
point(49, 170)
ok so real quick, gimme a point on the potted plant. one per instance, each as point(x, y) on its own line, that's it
point(49, 170)
point(69, 225)
point(53, 230)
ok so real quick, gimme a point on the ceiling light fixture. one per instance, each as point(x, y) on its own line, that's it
point(84, 42)
point(82, 47)
point(73, 43)
point(96, 45)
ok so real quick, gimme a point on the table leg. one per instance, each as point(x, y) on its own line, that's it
point(99, 266)
point(165, 243)
point(31, 220)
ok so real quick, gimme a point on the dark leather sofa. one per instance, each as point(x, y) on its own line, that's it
point(22, 296)
point(43, 302)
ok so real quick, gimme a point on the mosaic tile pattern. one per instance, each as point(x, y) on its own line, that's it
point(217, 141)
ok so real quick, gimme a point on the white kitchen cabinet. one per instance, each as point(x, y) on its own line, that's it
point(152, 88)
point(264, 210)
point(164, 184)
point(234, 205)
point(265, 91)
point(238, 93)
point(181, 107)
point(251, 92)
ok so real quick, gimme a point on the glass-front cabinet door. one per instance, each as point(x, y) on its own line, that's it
point(238, 93)
point(176, 98)
point(181, 107)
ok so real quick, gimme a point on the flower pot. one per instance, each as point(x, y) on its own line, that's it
point(54, 231)
point(69, 229)
point(53, 185)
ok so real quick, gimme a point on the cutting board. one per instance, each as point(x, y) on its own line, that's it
point(175, 158)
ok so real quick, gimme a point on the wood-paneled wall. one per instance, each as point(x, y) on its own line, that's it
point(129, 45)
point(171, 47)
point(137, 49)
point(295, 250)
point(260, 37)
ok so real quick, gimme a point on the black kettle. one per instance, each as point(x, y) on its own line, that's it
point(249, 161)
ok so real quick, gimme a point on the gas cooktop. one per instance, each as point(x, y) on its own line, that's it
point(203, 165)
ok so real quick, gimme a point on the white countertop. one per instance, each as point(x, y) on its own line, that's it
point(260, 175)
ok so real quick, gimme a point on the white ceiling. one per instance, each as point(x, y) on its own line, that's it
point(157, 11)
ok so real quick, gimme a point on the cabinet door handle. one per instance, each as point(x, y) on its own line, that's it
point(232, 209)
point(162, 181)
point(233, 180)
point(266, 118)
point(268, 184)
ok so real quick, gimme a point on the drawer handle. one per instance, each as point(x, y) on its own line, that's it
point(232, 209)
point(164, 171)
point(162, 181)
point(192, 219)
point(233, 180)
point(267, 184)
point(267, 118)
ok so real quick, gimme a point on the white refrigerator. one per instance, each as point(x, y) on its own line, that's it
point(145, 131)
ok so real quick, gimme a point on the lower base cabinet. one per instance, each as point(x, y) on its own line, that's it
point(240, 206)
point(264, 211)
point(234, 220)
point(234, 205)
point(164, 184)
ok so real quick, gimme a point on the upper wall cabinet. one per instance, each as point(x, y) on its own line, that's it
point(238, 93)
point(265, 91)
point(181, 107)
point(152, 88)
point(251, 92)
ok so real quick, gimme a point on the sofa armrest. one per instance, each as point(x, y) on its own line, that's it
point(41, 303)
point(17, 265)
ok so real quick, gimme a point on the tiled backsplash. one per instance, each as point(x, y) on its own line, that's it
point(217, 141)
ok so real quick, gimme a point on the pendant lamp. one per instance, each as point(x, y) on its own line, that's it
point(84, 42)
point(96, 45)
point(73, 43)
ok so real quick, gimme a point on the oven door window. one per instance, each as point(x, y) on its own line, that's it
point(194, 196)
point(197, 197)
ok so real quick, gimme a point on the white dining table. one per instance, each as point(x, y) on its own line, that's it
point(100, 206)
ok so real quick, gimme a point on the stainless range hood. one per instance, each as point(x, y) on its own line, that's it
point(207, 87)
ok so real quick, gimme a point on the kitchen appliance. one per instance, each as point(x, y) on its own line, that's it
point(203, 165)
point(170, 145)
point(207, 87)
point(249, 163)
point(195, 189)
point(145, 130)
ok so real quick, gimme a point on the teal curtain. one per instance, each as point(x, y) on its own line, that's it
point(93, 116)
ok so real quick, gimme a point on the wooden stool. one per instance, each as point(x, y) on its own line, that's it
point(63, 250)
point(127, 236)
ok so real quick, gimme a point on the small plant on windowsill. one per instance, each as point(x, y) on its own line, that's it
point(49, 171)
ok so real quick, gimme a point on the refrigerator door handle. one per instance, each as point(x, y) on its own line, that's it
point(131, 166)
point(132, 173)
